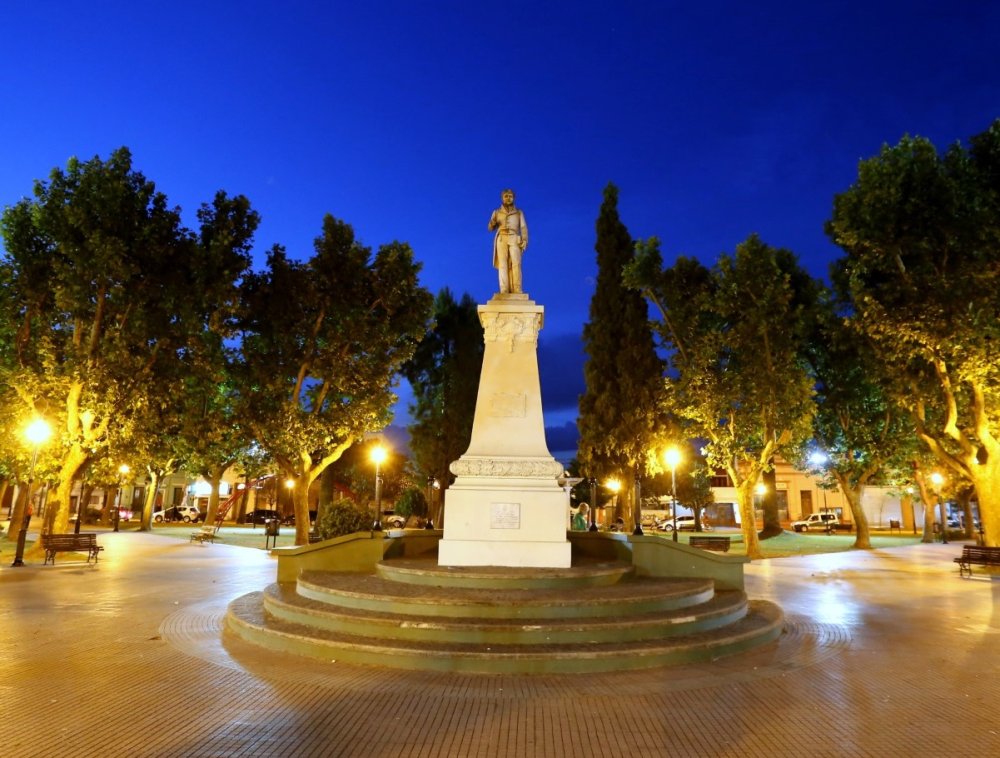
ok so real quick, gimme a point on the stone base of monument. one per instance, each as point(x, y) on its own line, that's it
point(627, 602)
point(522, 523)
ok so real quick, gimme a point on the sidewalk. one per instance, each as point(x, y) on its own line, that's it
point(885, 653)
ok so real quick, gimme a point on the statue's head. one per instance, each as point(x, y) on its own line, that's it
point(507, 196)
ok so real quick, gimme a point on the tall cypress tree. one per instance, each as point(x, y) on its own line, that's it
point(618, 420)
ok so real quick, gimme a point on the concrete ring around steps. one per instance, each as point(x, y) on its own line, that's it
point(247, 619)
point(199, 631)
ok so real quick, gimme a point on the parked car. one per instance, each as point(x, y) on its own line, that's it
point(185, 513)
point(260, 515)
point(816, 521)
point(684, 524)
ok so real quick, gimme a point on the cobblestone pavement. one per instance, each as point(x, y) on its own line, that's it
point(885, 653)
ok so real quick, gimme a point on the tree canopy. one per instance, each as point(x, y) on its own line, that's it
point(920, 231)
point(737, 377)
point(619, 419)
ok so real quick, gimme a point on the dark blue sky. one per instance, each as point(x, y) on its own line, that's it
point(715, 120)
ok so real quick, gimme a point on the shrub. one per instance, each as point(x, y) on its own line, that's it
point(411, 503)
point(342, 517)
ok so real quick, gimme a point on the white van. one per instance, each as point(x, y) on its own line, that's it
point(816, 521)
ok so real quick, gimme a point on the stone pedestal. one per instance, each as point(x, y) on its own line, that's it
point(506, 507)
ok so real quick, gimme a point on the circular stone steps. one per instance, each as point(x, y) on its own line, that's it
point(287, 605)
point(413, 614)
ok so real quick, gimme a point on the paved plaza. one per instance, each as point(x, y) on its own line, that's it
point(885, 653)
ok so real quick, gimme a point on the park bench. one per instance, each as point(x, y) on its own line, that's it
point(70, 543)
point(719, 544)
point(205, 533)
point(839, 527)
point(894, 525)
point(977, 555)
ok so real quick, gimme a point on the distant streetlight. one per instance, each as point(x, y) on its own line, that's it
point(615, 486)
point(937, 480)
point(593, 504)
point(36, 434)
point(818, 458)
point(637, 510)
point(672, 457)
point(432, 485)
point(123, 470)
point(378, 455)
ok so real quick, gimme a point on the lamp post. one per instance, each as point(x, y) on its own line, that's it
point(913, 509)
point(123, 470)
point(672, 456)
point(637, 510)
point(937, 480)
point(378, 456)
point(432, 484)
point(36, 433)
point(614, 485)
point(593, 504)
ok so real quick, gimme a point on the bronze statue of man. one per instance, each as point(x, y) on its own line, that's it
point(510, 242)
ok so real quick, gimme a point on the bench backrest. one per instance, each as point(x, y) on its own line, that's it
point(68, 540)
point(976, 551)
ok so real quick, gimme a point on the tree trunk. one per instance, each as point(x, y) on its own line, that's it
point(986, 479)
point(17, 512)
point(76, 458)
point(213, 477)
point(748, 518)
point(769, 501)
point(928, 503)
point(146, 522)
point(854, 497)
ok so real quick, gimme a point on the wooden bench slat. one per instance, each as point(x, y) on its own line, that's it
point(720, 544)
point(85, 542)
point(977, 555)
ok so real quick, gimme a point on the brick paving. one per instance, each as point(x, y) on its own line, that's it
point(885, 653)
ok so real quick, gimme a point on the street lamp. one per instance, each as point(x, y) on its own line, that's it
point(432, 484)
point(378, 456)
point(593, 504)
point(937, 480)
point(36, 433)
point(123, 470)
point(614, 485)
point(637, 510)
point(672, 457)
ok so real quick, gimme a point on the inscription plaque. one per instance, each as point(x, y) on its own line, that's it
point(505, 515)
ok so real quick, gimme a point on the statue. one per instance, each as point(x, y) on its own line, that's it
point(510, 242)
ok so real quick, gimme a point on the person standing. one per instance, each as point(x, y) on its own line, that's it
point(509, 243)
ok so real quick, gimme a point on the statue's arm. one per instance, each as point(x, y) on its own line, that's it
point(494, 221)
point(524, 232)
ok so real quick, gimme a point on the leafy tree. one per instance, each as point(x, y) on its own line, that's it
point(321, 343)
point(619, 422)
point(861, 430)
point(107, 288)
point(737, 376)
point(411, 503)
point(444, 374)
point(921, 236)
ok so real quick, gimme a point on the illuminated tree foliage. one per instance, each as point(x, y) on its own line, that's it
point(921, 235)
point(737, 376)
point(322, 341)
point(107, 288)
point(859, 429)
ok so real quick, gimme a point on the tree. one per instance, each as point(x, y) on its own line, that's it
point(321, 342)
point(619, 419)
point(107, 287)
point(921, 236)
point(860, 429)
point(444, 374)
point(737, 375)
